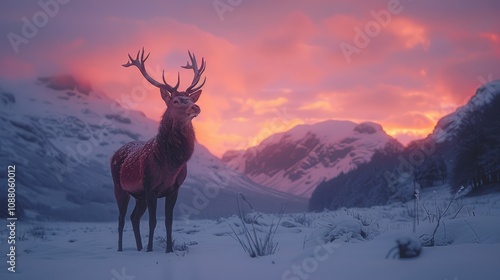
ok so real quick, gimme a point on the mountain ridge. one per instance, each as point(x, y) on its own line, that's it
point(297, 160)
point(447, 125)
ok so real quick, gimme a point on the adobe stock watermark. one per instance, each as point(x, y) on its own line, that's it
point(224, 6)
point(363, 37)
point(31, 25)
point(309, 265)
point(121, 276)
point(12, 218)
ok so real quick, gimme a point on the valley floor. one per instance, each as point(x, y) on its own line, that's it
point(468, 247)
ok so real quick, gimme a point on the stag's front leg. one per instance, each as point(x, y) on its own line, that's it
point(139, 209)
point(151, 200)
point(169, 218)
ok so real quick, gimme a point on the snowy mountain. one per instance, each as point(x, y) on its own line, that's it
point(463, 150)
point(448, 126)
point(60, 134)
point(296, 161)
point(469, 141)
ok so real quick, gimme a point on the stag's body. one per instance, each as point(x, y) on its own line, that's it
point(157, 168)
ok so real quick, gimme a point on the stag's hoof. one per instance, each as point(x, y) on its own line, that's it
point(120, 249)
point(139, 248)
point(169, 250)
point(149, 250)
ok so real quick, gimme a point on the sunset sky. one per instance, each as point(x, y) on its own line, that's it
point(270, 64)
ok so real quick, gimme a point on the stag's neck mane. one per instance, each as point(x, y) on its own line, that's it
point(174, 141)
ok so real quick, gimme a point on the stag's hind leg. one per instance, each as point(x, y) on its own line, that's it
point(151, 202)
point(135, 217)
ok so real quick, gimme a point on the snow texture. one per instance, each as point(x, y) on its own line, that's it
point(468, 247)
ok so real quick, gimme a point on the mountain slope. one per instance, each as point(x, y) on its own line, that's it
point(473, 149)
point(463, 150)
point(296, 161)
point(448, 126)
point(60, 134)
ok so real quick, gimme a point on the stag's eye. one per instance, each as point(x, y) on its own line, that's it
point(176, 101)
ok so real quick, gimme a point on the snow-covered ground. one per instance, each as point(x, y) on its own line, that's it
point(467, 246)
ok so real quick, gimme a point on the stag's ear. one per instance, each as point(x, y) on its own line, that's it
point(194, 96)
point(165, 95)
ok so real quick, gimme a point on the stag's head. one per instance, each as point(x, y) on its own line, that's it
point(180, 104)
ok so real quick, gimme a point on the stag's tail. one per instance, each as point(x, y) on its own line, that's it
point(122, 197)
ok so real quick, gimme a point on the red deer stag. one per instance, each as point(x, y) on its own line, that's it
point(157, 168)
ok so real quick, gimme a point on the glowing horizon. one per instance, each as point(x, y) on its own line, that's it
point(270, 66)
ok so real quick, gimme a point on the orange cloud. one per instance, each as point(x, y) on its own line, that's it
point(211, 134)
point(406, 136)
point(324, 102)
point(260, 107)
point(272, 126)
point(410, 121)
point(317, 105)
point(410, 33)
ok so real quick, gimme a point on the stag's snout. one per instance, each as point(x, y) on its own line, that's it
point(193, 110)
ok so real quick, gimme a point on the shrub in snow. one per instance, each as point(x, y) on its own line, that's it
point(288, 224)
point(429, 240)
point(303, 220)
point(38, 232)
point(297, 220)
point(407, 247)
point(347, 227)
point(254, 241)
point(22, 236)
point(344, 229)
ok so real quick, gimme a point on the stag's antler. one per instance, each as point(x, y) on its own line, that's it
point(139, 62)
point(197, 73)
